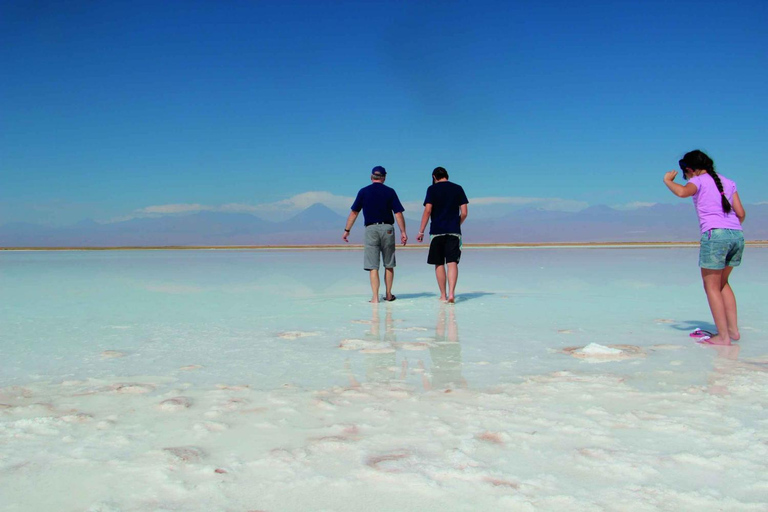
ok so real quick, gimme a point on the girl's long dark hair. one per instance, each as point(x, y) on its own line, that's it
point(699, 160)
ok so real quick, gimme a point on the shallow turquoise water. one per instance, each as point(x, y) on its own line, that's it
point(225, 311)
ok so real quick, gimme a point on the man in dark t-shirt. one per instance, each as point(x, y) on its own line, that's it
point(446, 207)
point(381, 207)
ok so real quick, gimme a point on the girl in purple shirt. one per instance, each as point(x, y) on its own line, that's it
point(722, 239)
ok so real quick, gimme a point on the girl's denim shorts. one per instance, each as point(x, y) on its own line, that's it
point(721, 248)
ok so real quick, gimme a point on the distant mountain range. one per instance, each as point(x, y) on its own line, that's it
point(320, 225)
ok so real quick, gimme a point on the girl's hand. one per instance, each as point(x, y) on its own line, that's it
point(670, 176)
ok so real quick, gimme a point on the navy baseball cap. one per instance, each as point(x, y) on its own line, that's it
point(379, 170)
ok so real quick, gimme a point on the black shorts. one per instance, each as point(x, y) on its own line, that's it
point(444, 249)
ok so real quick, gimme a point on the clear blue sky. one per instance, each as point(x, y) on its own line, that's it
point(110, 109)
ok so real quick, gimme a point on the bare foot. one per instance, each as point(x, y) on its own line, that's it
point(375, 300)
point(442, 298)
point(735, 335)
point(715, 340)
point(451, 300)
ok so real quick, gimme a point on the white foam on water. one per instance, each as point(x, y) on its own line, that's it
point(479, 406)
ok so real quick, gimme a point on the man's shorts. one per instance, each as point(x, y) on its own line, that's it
point(379, 241)
point(721, 248)
point(444, 249)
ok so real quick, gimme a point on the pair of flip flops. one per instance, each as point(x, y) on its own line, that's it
point(701, 336)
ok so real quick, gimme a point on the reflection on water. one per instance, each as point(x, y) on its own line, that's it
point(380, 362)
point(380, 348)
point(446, 352)
point(729, 373)
point(380, 365)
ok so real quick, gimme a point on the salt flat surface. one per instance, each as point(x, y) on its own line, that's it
point(563, 379)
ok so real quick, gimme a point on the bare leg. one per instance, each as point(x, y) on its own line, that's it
point(729, 300)
point(453, 276)
point(713, 288)
point(374, 285)
point(440, 275)
point(389, 278)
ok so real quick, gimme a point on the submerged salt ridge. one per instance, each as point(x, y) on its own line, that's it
point(185, 381)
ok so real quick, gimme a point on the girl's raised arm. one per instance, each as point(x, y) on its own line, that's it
point(679, 190)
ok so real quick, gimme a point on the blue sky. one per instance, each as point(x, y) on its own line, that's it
point(110, 110)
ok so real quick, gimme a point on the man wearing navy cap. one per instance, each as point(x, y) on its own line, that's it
point(381, 207)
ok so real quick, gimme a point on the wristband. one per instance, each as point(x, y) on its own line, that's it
point(345, 229)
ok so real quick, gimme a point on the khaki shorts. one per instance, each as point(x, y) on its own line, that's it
point(379, 243)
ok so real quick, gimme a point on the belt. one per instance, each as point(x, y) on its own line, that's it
point(376, 223)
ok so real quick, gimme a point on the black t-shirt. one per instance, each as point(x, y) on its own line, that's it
point(378, 203)
point(446, 199)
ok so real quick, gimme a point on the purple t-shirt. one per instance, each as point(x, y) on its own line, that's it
point(708, 205)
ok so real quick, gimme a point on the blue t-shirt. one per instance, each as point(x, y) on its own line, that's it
point(378, 203)
point(446, 199)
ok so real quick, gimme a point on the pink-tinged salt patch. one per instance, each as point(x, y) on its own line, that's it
point(340, 433)
point(132, 388)
point(390, 462)
point(492, 437)
point(243, 387)
point(294, 335)
point(415, 346)
point(369, 346)
point(500, 482)
point(191, 367)
point(79, 417)
point(235, 404)
point(666, 346)
point(112, 354)
point(387, 350)
point(186, 453)
point(15, 392)
point(664, 321)
point(177, 403)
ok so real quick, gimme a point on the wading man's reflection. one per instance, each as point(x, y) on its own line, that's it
point(380, 357)
point(445, 353)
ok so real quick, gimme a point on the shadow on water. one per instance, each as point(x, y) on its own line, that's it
point(690, 325)
point(462, 297)
point(473, 295)
point(401, 296)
